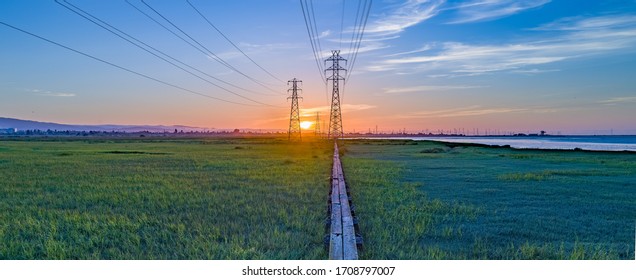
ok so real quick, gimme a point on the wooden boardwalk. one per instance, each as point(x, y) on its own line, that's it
point(342, 237)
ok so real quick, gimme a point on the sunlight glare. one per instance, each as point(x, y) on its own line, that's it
point(305, 124)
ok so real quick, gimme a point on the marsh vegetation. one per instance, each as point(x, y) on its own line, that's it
point(428, 200)
point(266, 199)
point(182, 199)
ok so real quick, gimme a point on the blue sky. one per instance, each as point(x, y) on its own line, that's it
point(560, 66)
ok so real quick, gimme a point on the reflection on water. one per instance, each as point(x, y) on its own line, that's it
point(592, 143)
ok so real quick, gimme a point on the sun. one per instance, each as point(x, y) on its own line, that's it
point(305, 124)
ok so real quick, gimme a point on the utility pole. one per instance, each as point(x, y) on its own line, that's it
point(294, 115)
point(335, 116)
point(317, 125)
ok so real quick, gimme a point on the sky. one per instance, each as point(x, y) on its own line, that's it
point(563, 66)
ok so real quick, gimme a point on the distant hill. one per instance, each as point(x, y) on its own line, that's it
point(33, 125)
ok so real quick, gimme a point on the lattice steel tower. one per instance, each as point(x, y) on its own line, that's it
point(294, 115)
point(335, 116)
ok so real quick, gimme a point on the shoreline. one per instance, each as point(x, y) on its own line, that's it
point(577, 143)
point(528, 143)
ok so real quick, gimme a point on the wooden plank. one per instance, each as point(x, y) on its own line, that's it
point(336, 212)
point(342, 239)
point(335, 237)
point(335, 247)
point(349, 247)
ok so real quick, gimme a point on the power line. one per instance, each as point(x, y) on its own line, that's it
point(311, 41)
point(365, 15)
point(312, 20)
point(355, 27)
point(209, 53)
point(166, 55)
point(121, 67)
point(310, 30)
point(178, 36)
point(154, 54)
point(230, 41)
point(361, 33)
point(315, 26)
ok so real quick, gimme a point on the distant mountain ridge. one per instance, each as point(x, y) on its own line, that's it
point(35, 125)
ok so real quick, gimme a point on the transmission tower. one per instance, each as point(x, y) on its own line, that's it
point(294, 115)
point(335, 117)
point(317, 125)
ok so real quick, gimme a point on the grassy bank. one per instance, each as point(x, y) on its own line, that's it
point(426, 200)
point(182, 199)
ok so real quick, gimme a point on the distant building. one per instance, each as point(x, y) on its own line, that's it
point(8, 130)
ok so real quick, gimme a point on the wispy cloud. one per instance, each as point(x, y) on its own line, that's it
point(432, 88)
point(345, 108)
point(482, 59)
point(404, 16)
point(370, 46)
point(310, 113)
point(413, 12)
point(256, 49)
point(479, 112)
point(618, 100)
point(391, 24)
point(225, 55)
point(380, 68)
point(580, 37)
point(59, 94)
point(269, 47)
point(535, 71)
point(583, 24)
point(422, 49)
point(324, 34)
point(464, 112)
point(471, 111)
point(50, 93)
point(485, 10)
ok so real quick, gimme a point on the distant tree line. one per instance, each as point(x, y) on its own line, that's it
point(50, 132)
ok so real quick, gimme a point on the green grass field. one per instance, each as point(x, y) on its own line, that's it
point(179, 199)
point(266, 199)
point(426, 200)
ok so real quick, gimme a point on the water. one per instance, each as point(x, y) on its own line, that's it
point(591, 143)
